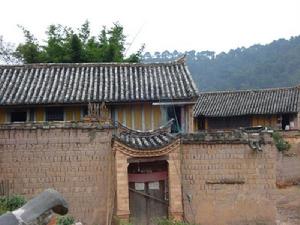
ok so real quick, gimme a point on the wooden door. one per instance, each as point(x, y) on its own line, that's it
point(147, 202)
point(148, 193)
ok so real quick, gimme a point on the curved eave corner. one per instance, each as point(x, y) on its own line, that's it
point(145, 143)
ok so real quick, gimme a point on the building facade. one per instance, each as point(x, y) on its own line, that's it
point(140, 96)
point(277, 108)
point(116, 139)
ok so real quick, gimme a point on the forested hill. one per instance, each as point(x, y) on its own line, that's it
point(260, 66)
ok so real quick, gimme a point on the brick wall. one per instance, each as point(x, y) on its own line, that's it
point(228, 183)
point(288, 166)
point(224, 181)
point(75, 162)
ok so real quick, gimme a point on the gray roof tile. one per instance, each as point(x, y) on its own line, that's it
point(146, 140)
point(94, 82)
point(248, 102)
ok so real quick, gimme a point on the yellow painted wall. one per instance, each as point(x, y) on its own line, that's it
point(128, 116)
point(120, 114)
point(206, 124)
point(195, 124)
point(156, 116)
point(39, 114)
point(69, 114)
point(147, 116)
point(264, 120)
point(138, 117)
point(72, 113)
point(77, 114)
point(134, 112)
point(2, 116)
point(125, 112)
point(192, 125)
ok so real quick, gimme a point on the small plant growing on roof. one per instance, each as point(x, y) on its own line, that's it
point(280, 143)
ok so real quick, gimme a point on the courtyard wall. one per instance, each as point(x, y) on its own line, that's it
point(74, 159)
point(226, 182)
point(288, 166)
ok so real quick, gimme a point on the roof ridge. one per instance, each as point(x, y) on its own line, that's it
point(160, 129)
point(251, 90)
point(181, 60)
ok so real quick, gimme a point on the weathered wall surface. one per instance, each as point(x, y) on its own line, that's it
point(228, 183)
point(224, 181)
point(75, 162)
point(288, 166)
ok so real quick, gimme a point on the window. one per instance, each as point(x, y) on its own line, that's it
point(174, 112)
point(32, 114)
point(285, 122)
point(224, 123)
point(54, 114)
point(201, 123)
point(18, 116)
point(85, 111)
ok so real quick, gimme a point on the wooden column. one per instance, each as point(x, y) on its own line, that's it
point(191, 120)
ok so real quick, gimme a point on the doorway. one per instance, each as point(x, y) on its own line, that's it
point(285, 121)
point(148, 192)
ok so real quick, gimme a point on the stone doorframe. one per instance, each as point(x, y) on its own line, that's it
point(125, 154)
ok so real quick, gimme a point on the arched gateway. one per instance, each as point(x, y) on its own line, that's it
point(148, 175)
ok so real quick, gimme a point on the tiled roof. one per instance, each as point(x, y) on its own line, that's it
point(249, 102)
point(153, 139)
point(95, 82)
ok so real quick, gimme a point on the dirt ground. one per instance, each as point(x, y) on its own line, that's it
point(288, 205)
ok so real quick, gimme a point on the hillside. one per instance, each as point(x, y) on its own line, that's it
point(260, 66)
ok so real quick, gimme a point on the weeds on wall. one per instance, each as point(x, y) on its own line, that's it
point(11, 203)
point(280, 143)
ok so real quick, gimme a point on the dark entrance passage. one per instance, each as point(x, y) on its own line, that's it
point(148, 192)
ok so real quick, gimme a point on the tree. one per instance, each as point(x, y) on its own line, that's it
point(64, 45)
point(30, 51)
point(260, 66)
point(7, 52)
point(76, 51)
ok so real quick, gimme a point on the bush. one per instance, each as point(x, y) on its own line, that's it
point(65, 220)
point(280, 143)
point(171, 222)
point(11, 203)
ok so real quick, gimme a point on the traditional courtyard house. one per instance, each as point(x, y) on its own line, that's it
point(55, 133)
point(140, 96)
point(278, 108)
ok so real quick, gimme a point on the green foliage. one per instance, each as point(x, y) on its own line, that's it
point(11, 203)
point(65, 220)
point(7, 52)
point(280, 143)
point(118, 221)
point(125, 223)
point(260, 66)
point(65, 45)
point(171, 222)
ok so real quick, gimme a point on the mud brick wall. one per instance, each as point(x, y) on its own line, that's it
point(228, 183)
point(288, 166)
point(74, 161)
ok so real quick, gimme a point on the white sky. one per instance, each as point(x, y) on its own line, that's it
point(217, 25)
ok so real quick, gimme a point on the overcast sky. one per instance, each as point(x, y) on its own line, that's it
point(217, 25)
